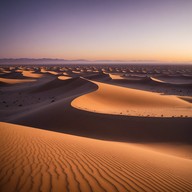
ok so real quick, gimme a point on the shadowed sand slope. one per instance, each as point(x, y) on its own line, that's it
point(176, 81)
point(39, 160)
point(113, 99)
point(60, 116)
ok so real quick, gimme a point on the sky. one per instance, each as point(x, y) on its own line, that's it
point(157, 30)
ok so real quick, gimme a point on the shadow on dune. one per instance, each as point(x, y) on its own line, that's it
point(151, 82)
point(14, 75)
point(62, 117)
point(147, 84)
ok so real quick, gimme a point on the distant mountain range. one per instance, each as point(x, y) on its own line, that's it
point(20, 61)
point(38, 61)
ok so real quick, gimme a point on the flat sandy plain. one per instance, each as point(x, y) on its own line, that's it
point(96, 128)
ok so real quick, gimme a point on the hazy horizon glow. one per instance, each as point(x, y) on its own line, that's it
point(96, 30)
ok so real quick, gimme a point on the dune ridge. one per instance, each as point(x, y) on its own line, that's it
point(39, 160)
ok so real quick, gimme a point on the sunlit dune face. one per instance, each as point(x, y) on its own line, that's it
point(64, 77)
point(16, 81)
point(78, 72)
point(31, 74)
point(51, 72)
point(125, 101)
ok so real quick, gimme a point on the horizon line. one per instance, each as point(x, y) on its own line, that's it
point(97, 60)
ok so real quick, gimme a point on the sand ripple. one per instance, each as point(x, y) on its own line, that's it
point(38, 160)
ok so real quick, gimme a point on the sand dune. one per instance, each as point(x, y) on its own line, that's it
point(32, 74)
point(38, 160)
point(119, 100)
point(61, 85)
point(174, 81)
point(60, 116)
point(148, 84)
point(13, 75)
point(64, 77)
point(153, 81)
point(47, 106)
point(16, 81)
point(3, 71)
point(102, 77)
point(48, 71)
point(114, 76)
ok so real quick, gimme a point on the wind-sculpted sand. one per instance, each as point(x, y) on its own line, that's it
point(39, 160)
point(125, 101)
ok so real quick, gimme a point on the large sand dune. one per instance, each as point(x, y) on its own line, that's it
point(38, 160)
point(119, 100)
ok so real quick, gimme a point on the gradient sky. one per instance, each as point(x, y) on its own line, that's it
point(97, 29)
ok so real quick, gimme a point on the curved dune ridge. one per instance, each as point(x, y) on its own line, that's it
point(38, 160)
point(157, 80)
point(113, 99)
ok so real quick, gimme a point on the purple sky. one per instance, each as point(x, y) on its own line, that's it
point(97, 29)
